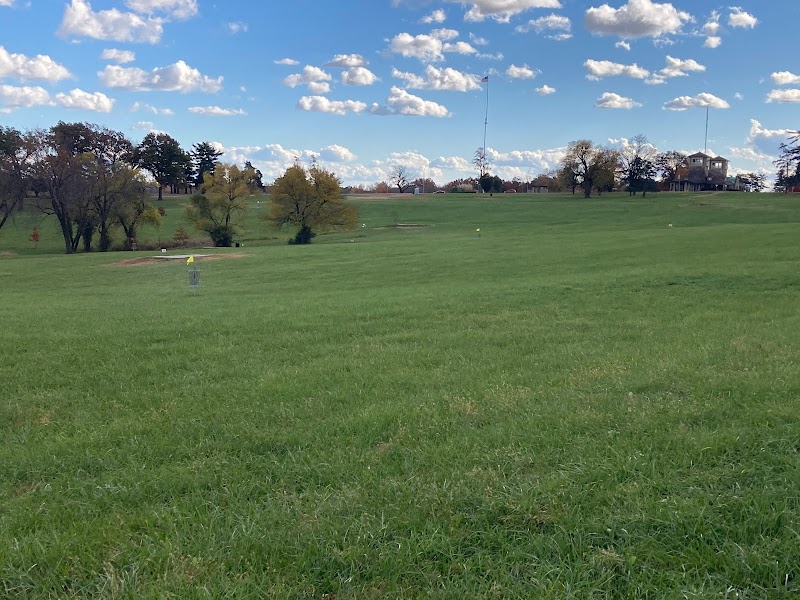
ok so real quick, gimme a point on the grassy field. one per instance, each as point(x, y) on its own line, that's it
point(579, 403)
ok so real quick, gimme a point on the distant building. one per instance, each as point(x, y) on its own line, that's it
point(704, 173)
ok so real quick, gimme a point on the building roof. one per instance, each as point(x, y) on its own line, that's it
point(699, 154)
point(720, 158)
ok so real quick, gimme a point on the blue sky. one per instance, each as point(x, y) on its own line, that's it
point(367, 85)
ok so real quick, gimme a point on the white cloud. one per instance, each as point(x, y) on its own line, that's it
point(429, 48)
point(712, 26)
point(444, 34)
point(739, 18)
point(502, 10)
point(751, 154)
point(235, 27)
point(545, 90)
point(452, 163)
point(81, 21)
point(12, 97)
point(712, 41)
point(312, 77)
point(784, 96)
point(785, 78)
point(96, 102)
point(612, 100)
point(623, 45)
point(175, 9)
point(605, 68)
point(359, 76)
point(676, 67)
point(143, 126)
point(523, 72)
point(39, 68)
point(701, 100)
point(137, 106)
point(400, 102)
point(551, 22)
point(738, 96)
point(324, 105)
point(118, 56)
point(6, 2)
point(445, 79)
point(178, 77)
point(477, 40)
point(336, 154)
point(766, 141)
point(459, 48)
point(437, 16)
point(423, 47)
point(637, 18)
point(486, 56)
point(216, 111)
point(287, 61)
point(519, 162)
point(347, 61)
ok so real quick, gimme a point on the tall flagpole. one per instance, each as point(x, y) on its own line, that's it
point(486, 118)
point(706, 148)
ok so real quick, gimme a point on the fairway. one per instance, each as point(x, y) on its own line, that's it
point(580, 402)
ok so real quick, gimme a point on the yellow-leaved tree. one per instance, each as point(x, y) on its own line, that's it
point(310, 200)
point(220, 207)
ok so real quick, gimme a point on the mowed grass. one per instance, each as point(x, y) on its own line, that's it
point(579, 403)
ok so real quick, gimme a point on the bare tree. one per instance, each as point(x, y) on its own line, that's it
point(481, 162)
point(401, 177)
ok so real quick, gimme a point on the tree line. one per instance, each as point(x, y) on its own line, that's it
point(91, 179)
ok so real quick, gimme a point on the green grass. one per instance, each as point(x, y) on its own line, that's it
point(580, 403)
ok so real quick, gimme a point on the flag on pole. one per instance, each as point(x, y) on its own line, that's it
point(190, 260)
point(485, 79)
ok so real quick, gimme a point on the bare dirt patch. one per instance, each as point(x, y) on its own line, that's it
point(155, 260)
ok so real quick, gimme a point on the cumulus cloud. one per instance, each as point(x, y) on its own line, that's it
point(13, 97)
point(359, 76)
point(422, 47)
point(612, 100)
point(636, 19)
point(174, 9)
point(118, 56)
point(6, 2)
point(81, 21)
point(313, 77)
point(400, 102)
point(785, 78)
point(712, 41)
point(178, 77)
point(549, 23)
point(766, 141)
point(676, 68)
point(96, 102)
point(605, 68)
point(336, 154)
point(623, 45)
point(216, 111)
point(290, 62)
point(739, 18)
point(502, 10)
point(137, 106)
point(429, 48)
point(700, 101)
point(784, 96)
point(523, 72)
point(324, 105)
point(143, 126)
point(445, 79)
point(38, 68)
point(437, 16)
point(347, 61)
point(545, 90)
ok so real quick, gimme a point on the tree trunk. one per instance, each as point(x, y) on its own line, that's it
point(105, 239)
point(160, 192)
